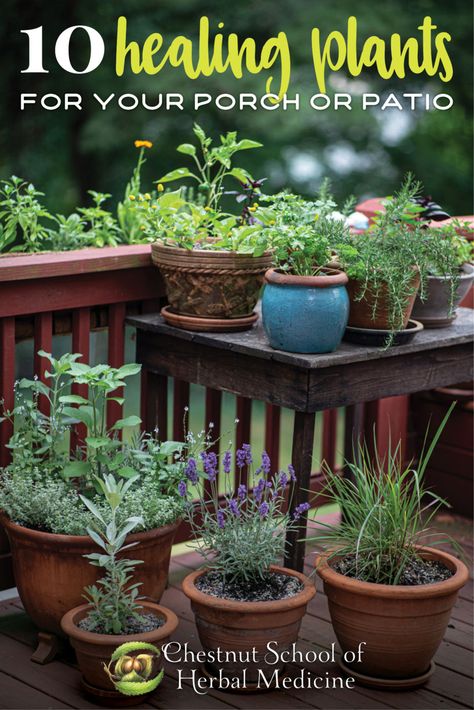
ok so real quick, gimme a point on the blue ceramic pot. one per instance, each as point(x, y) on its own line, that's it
point(305, 314)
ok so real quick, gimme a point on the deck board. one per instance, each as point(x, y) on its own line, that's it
point(25, 685)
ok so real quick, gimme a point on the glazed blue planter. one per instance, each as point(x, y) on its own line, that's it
point(305, 314)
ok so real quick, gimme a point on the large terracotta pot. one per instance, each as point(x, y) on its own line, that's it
point(361, 314)
point(241, 626)
point(211, 284)
point(51, 571)
point(93, 650)
point(402, 626)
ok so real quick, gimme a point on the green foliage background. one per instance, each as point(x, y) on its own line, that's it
point(66, 153)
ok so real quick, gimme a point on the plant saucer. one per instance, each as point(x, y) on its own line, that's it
point(388, 683)
point(374, 337)
point(208, 325)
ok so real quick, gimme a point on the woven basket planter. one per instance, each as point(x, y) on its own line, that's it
point(211, 284)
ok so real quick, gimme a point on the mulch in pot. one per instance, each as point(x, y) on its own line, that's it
point(272, 587)
point(417, 571)
point(146, 622)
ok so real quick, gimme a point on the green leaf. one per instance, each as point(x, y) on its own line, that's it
point(177, 175)
point(128, 370)
point(76, 469)
point(186, 148)
point(126, 472)
point(96, 442)
point(73, 399)
point(132, 420)
point(246, 144)
point(240, 174)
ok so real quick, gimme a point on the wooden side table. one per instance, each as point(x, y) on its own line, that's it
point(245, 365)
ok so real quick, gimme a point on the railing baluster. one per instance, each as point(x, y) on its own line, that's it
point(154, 403)
point(81, 326)
point(329, 437)
point(7, 381)
point(242, 435)
point(213, 415)
point(272, 434)
point(43, 340)
point(180, 402)
point(116, 356)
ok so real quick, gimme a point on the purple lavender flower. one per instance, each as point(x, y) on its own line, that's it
point(263, 509)
point(227, 462)
point(300, 509)
point(220, 519)
point(266, 463)
point(209, 461)
point(191, 470)
point(258, 490)
point(182, 489)
point(242, 491)
point(291, 471)
point(244, 456)
point(234, 507)
point(283, 480)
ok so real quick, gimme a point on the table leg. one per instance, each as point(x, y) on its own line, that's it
point(354, 434)
point(302, 459)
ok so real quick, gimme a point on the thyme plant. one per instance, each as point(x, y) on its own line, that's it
point(387, 513)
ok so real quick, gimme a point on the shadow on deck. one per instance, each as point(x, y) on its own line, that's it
point(25, 685)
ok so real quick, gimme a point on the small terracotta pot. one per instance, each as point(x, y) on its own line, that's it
point(211, 284)
point(241, 626)
point(94, 650)
point(402, 626)
point(361, 311)
point(51, 572)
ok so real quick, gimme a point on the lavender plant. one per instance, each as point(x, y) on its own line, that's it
point(243, 534)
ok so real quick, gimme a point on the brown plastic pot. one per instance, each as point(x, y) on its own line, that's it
point(94, 650)
point(51, 572)
point(242, 626)
point(361, 314)
point(401, 626)
point(211, 284)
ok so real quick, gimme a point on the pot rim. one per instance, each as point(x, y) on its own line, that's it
point(78, 540)
point(261, 607)
point(398, 591)
point(333, 277)
point(466, 271)
point(212, 253)
point(70, 628)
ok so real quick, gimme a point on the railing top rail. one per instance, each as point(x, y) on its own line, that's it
point(51, 264)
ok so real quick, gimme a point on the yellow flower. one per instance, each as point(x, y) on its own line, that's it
point(255, 204)
point(140, 198)
point(143, 144)
point(153, 207)
point(160, 187)
point(207, 208)
point(147, 196)
point(131, 197)
point(252, 209)
point(272, 221)
point(142, 227)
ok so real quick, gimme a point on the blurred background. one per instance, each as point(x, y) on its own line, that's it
point(365, 153)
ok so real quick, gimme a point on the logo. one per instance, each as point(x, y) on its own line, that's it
point(133, 668)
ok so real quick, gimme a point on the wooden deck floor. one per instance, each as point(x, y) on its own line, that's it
point(29, 686)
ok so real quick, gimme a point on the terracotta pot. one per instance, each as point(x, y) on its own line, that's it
point(212, 284)
point(94, 650)
point(241, 626)
point(402, 626)
point(361, 312)
point(433, 312)
point(51, 572)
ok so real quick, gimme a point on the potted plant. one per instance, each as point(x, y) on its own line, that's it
point(386, 589)
point(449, 279)
point(42, 491)
point(212, 262)
point(305, 305)
point(241, 599)
point(117, 635)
